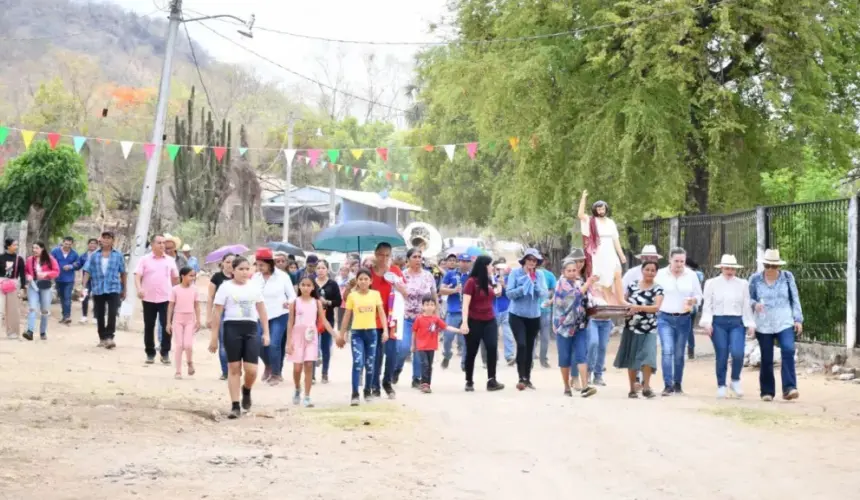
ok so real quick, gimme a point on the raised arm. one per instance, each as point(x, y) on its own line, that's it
point(581, 214)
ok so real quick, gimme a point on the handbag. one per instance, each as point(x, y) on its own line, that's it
point(8, 285)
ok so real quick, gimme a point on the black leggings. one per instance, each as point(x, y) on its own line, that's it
point(525, 332)
point(488, 332)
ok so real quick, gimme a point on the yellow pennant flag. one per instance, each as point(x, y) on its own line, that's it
point(515, 143)
point(339, 167)
point(28, 137)
point(197, 149)
point(356, 153)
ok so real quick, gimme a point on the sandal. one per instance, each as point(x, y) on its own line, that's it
point(633, 395)
point(648, 393)
point(191, 370)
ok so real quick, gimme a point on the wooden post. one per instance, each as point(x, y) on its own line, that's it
point(22, 239)
point(760, 236)
point(851, 275)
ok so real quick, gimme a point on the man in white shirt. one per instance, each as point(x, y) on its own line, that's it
point(634, 274)
point(681, 292)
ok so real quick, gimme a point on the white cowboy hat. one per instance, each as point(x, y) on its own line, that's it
point(186, 248)
point(728, 261)
point(771, 257)
point(649, 251)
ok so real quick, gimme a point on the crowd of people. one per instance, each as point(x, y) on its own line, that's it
point(275, 311)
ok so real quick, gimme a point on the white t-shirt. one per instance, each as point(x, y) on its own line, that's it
point(277, 290)
point(239, 301)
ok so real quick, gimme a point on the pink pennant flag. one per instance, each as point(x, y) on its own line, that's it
point(219, 152)
point(472, 149)
point(314, 155)
point(148, 149)
point(354, 171)
point(383, 153)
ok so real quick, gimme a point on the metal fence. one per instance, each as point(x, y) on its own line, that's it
point(811, 237)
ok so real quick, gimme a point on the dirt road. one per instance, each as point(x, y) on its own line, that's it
point(80, 422)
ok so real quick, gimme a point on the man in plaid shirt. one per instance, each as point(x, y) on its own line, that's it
point(105, 272)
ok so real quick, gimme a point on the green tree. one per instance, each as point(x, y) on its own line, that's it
point(47, 187)
point(676, 112)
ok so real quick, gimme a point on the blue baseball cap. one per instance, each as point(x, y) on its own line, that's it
point(464, 257)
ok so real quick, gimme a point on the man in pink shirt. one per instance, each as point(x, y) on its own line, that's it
point(155, 276)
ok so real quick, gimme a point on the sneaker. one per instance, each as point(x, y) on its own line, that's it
point(721, 392)
point(234, 413)
point(177, 376)
point(267, 374)
point(165, 359)
point(367, 395)
point(648, 394)
point(544, 364)
point(588, 392)
point(110, 344)
point(598, 380)
point(354, 400)
point(521, 385)
point(222, 377)
point(416, 384)
point(389, 391)
point(12, 336)
point(324, 379)
point(191, 370)
point(149, 359)
point(101, 343)
point(568, 393)
point(791, 395)
point(297, 397)
point(691, 352)
point(43, 337)
point(306, 402)
point(66, 321)
point(632, 395)
point(28, 335)
point(512, 362)
point(667, 392)
point(677, 388)
point(246, 398)
point(530, 385)
point(445, 362)
point(470, 387)
point(83, 320)
point(737, 390)
point(395, 378)
point(425, 388)
point(377, 393)
point(767, 399)
point(493, 385)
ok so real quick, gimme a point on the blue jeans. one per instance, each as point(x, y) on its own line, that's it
point(404, 349)
point(325, 353)
point(271, 354)
point(674, 332)
point(384, 351)
point(691, 342)
point(455, 320)
point(545, 331)
point(40, 303)
point(599, 331)
point(507, 336)
point(64, 292)
point(363, 357)
point(786, 345)
point(222, 352)
point(728, 337)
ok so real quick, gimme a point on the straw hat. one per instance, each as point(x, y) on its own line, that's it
point(728, 261)
point(186, 247)
point(649, 251)
point(771, 258)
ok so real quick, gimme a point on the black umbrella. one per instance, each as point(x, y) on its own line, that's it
point(288, 248)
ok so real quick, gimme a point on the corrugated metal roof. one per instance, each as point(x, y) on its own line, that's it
point(370, 199)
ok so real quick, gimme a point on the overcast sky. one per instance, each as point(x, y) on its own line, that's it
point(378, 20)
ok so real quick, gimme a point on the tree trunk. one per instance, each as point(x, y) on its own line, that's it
point(35, 217)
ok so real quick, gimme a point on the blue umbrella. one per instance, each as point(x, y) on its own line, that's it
point(287, 248)
point(475, 252)
point(357, 236)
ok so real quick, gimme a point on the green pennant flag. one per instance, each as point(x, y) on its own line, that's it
point(4, 133)
point(172, 150)
point(492, 146)
point(333, 155)
point(404, 177)
point(380, 174)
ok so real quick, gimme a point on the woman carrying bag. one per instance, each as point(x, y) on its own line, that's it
point(12, 279)
point(41, 271)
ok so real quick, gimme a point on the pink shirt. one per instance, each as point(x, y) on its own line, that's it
point(156, 275)
point(183, 299)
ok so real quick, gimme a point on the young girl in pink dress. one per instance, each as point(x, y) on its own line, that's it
point(183, 319)
point(303, 339)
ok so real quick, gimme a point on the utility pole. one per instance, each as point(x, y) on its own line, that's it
point(332, 216)
point(289, 184)
point(150, 180)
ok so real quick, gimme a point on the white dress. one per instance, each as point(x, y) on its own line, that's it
point(605, 261)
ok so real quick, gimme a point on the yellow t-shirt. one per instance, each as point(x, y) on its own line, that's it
point(363, 307)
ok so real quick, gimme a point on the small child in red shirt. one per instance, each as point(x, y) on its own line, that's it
point(425, 339)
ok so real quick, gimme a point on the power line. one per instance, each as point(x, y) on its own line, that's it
point(292, 72)
point(199, 73)
point(485, 42)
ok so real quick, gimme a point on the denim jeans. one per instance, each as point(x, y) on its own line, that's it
point(454, 319)
point(363, 357)
point(271, 354)
point(222, 352)
point(40, 304)
point(599, 331)
point(786, 345)
point(507, 336)
point(64, 292)
point(404, 349)
point(691, 341)
point(325, 353)
point(728, 337)
point(545, 331)
point(387, 352)
point(674, 332)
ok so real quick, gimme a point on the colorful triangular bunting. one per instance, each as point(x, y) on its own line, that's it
point(4, 133)
point(515, 143)
point(314, 155)
point(219, 152)
point(148, 149)
point(429, 148)
point(356, 153)
point(472, 149)
point(449, 150)
point(53, 139)
point(79, 143)
point(383, 153)
point(126, 148)
point(27, 135)
point(242, 151)
point(354, 171)
point(197, 149)
point(172, 151)
point(333, 154)
point(290, 154)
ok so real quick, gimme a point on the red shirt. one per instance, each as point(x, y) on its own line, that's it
point(426, 330)
point(379, 284)
point(481, 306)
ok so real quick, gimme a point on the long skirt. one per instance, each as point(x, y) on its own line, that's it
point(637, 350)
